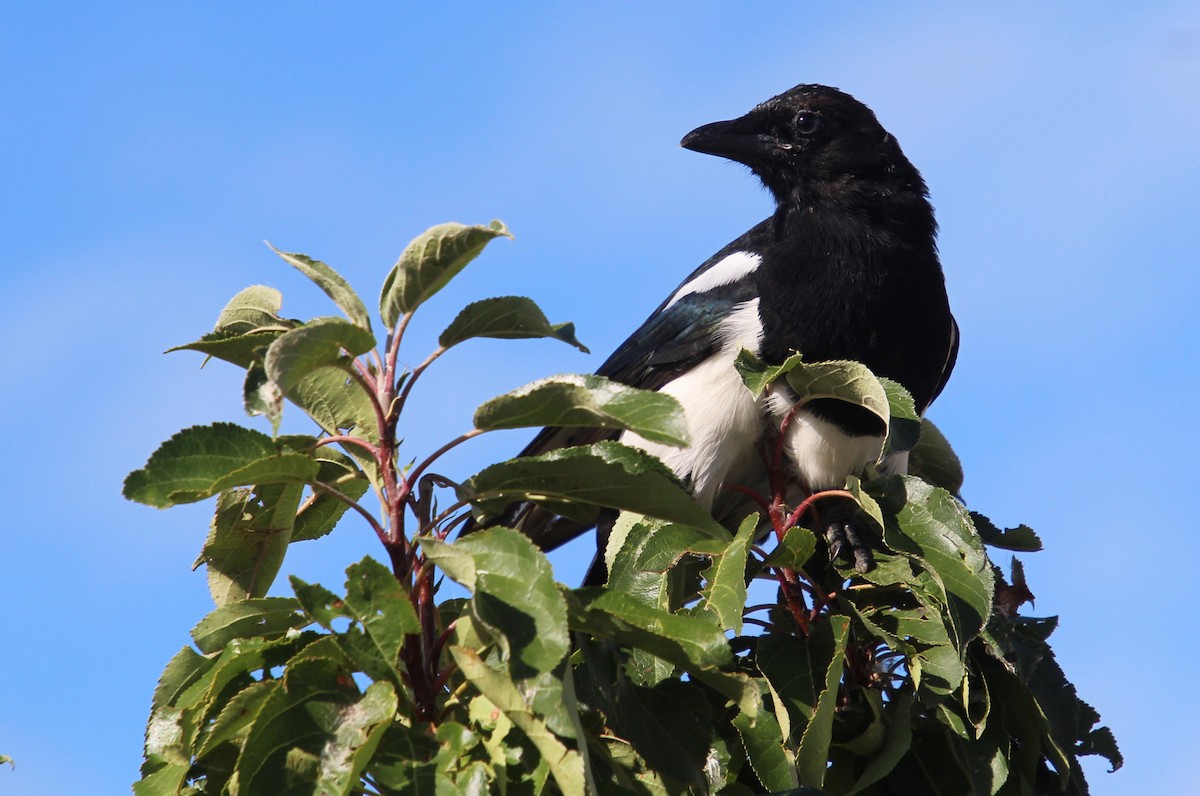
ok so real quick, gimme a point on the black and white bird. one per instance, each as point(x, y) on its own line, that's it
point(845, 269)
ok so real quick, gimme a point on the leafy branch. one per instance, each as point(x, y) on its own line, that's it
point(919, 675)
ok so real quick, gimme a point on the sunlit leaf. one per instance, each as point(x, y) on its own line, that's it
point(507, 318)
point(429, 262)
point(201, 461)
point(589, 402)
point(334, 285)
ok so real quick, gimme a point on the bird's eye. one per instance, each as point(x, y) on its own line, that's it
point(807, 123)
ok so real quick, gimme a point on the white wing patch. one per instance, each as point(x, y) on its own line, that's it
point(723, 272)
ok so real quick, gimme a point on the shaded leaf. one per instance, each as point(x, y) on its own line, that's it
point(279, 754)
point(603, 474)
point(905, 427)
point(514, 595)
point(355, 732)
point(336, 403)
point(566, 765)
point(669, 726)
point(587, 402)
point(247, 540)
point(1022, 538)
point(321, 512)
point(758, 375)
point(691, 641)
point(896, 743)
point(766, 751)
point(379, 603)
point(318, 343)
point(725, 593)
point(931, 525)
point(845, 381)
point(261, 396)
point(429, 262)
point(236, 715)
point(796, 669)
point(933, 460)
point(507, 318)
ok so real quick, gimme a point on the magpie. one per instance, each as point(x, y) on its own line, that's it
point(846, 268)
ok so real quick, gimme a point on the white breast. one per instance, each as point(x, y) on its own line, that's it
point(821, 453)
point(723, 417)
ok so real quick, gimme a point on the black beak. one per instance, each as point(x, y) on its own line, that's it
point(735, 139)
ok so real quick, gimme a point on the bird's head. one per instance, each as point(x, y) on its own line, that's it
point(812, 142)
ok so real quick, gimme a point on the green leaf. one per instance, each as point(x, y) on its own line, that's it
point(905, 427)
point(201, 461)
point(813, 755)
point(514, 595)
point(843, 381)
point(167, 752)
point(322, 511)
point(322, 605)
point(669, 726)
point(603, 474)
point(318, 343)
point(236, 715)
point(253, 308)
point(766, 751)
point(645, 555)
point(355, 733)
point(261, 396)
point(794, 551)
point(691, 641)
point(587, 402)
point(725, 594)
point(566, 765)
point(933, 460)
point(282, 743)
point(758, 375)
point(239, 348)
point(336, 403)
point(249, 535)
point(262, 617)
point(1022, 539)
point(184, 668)
point(506, 318)
point(429, 262)
point(896, 744)
point(332, 283)
point(935, 529)
point(377, 600)
point(805, 673)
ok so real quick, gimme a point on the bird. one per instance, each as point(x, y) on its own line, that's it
point(845, 268)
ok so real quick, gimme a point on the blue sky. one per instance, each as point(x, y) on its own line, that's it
point(149, 148)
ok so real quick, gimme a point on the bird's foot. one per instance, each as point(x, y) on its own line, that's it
point(848, 543)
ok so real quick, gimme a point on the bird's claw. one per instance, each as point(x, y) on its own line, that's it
point(847, 544)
